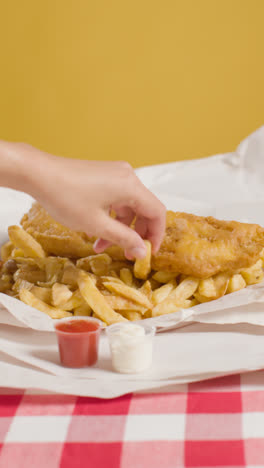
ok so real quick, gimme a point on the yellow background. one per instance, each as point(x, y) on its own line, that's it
point(146, 81)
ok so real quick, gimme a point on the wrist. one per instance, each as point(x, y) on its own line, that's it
point(13, 165)
point(20, 166)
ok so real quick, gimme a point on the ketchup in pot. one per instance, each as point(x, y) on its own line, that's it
point(78, 341)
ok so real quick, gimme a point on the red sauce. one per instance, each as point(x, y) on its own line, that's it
point(77, 326)
point(78, 342)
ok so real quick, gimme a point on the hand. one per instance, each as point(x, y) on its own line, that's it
point(80, 194)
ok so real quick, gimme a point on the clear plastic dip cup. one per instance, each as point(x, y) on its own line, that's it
point(78, 340)
point(131, 347)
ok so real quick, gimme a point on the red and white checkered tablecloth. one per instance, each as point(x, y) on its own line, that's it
point(218, 423)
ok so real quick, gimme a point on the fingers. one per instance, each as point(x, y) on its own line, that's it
point(133, 199)
point(141, 226)
point(155, 232)
point(115, 232)
point(151, 214)
point(100, 245)
point(124, 215)
point(150, 223)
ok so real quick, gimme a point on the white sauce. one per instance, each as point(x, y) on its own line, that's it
point(131, 348)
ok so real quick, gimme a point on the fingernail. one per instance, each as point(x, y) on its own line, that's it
point(138, 252)
point(128, 255)
point(97, 247)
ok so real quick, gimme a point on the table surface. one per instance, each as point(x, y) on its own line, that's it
point(219, 423)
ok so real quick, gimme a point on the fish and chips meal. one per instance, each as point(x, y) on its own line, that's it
point(55, 270)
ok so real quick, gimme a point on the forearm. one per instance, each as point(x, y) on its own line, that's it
point(17, 166)
point(80, 194)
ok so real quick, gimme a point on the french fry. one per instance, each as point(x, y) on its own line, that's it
point(253, 274)
point(23, 240)
point(7, 277)
point(60, 294)
point(207, 288)
point(21, 284)
point(146, 289)
point(34, 262)
point(164, 276)
point(235, 283)
point(76, 300)
point(54, 269)
point(45, 284)
point(70, 276)
point(177, 298)
point(117, 265)
point(100, 264)
point(166, 307)
point(163, 291)
point(129, 293)
point(30, 274)
point(5, 284)
point(28, 298)
point(83, 309)
point(126, 276)
point(201, 299)
point(142, 267)
point(96, 300)
point(115, 252)
point(111, 279)
point(121, 303)
point(17, 253)
point(185, 289)
point(212, 288)
point(84, 263)
point(221, 283)
point(170, 306)
point(193, 302)
point(44, 294)
point(131, 315)
point(6, 251)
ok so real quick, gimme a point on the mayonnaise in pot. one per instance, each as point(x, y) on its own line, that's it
point(131, 347)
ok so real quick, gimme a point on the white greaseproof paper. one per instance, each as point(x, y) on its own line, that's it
point(229, 337)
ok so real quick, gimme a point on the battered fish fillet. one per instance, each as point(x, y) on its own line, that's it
point(55, 238)
point(201, 247)
point(192, 245)
point(59, 240)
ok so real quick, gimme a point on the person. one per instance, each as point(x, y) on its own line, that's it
point(81, 194)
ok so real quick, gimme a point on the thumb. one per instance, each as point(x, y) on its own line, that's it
point(119, 234)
